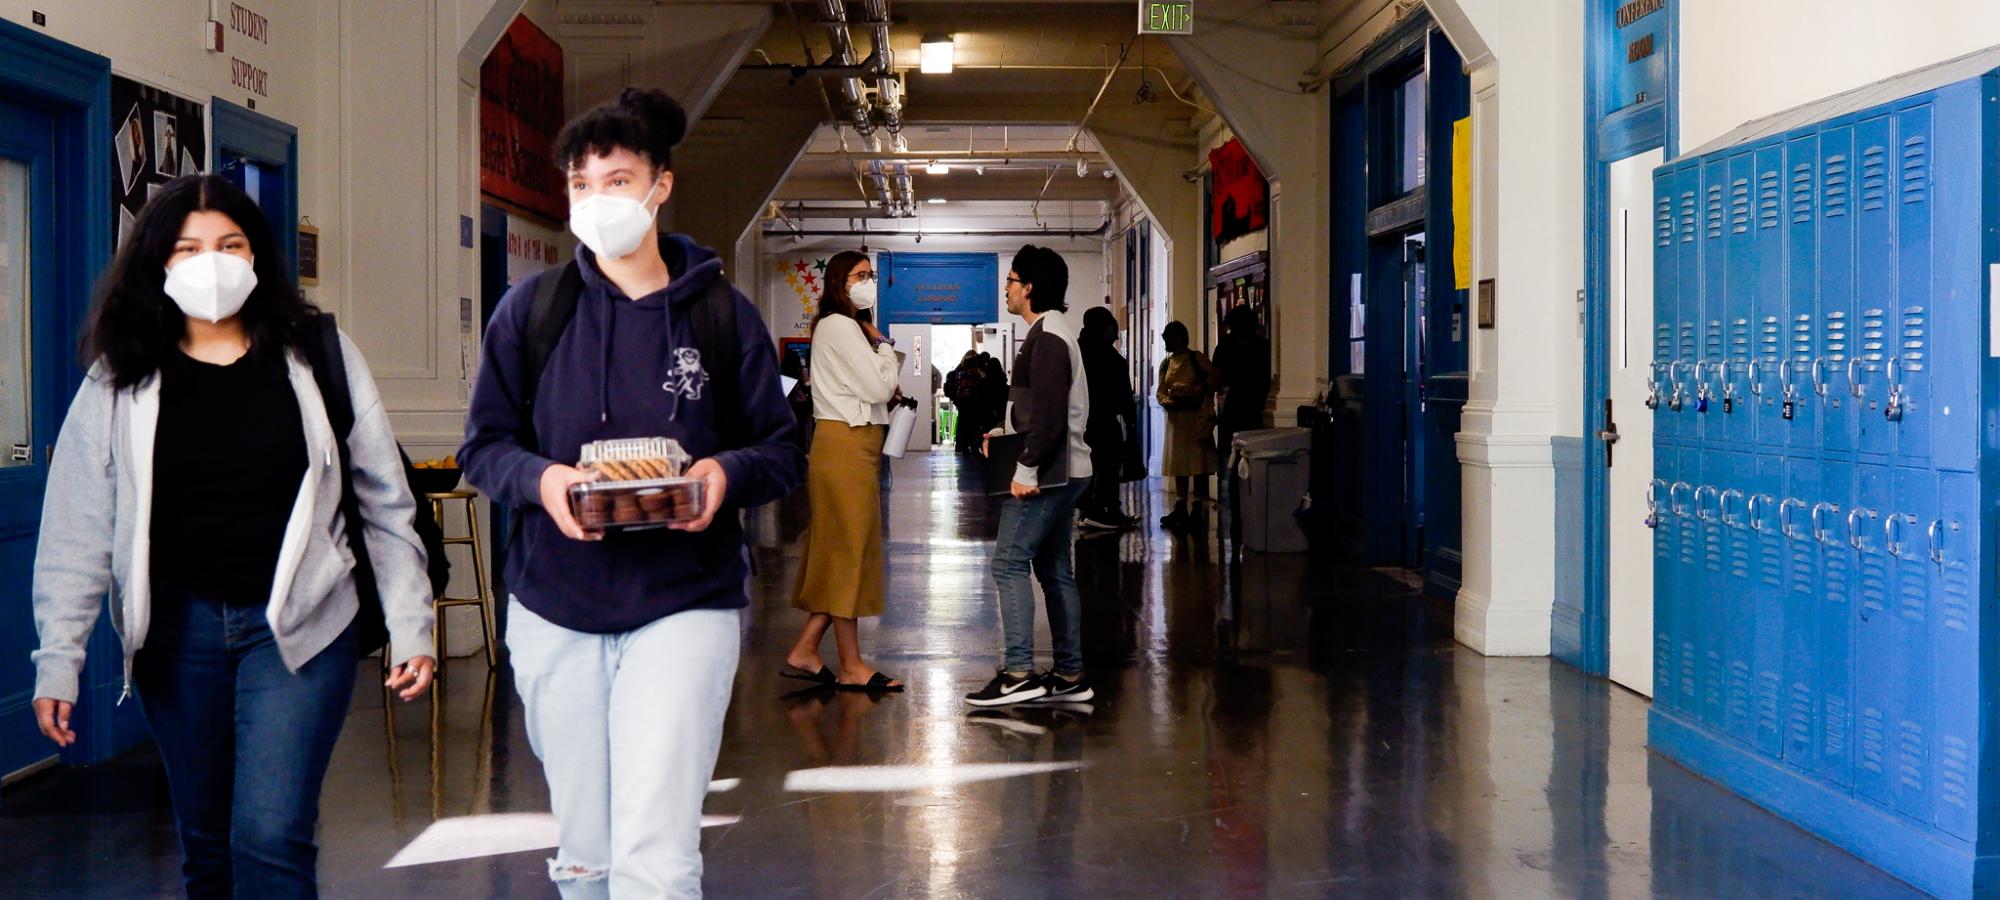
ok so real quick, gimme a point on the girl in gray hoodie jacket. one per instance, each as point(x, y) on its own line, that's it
point(196, 484)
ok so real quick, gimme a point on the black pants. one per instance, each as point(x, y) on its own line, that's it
point(1107, 460)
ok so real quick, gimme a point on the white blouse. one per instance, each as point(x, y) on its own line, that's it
point(850, 382)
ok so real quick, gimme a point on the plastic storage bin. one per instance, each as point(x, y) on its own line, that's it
point(1273, 467)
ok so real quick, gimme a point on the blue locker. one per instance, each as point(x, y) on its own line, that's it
point(1713, 356)
point(1739, 307)
point(1666, 583)
point(1803, 715)
point(1914, 603)
point(1833, 665)
point(1959, 255)
point(1800, 315)
point(1712, 608)
point(1667, 347)
point(1874, 285)
point(1876, 643)
point(1768, 600)
point(1907, 373)
point(1687, 303)
point(1767, 301)
point(1952, 546)
point(1689, 582)
point(1737, 597)
point(1835, 271)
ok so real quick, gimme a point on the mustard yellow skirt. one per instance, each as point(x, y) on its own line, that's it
point(842, 572)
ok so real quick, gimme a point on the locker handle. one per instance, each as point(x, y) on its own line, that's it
point(1819, 376)
point(1674, 498)
point(1756, 520)
point(1653, 494)
point(1895, 373)
point(1855, 536)
point(1855, 385)
point(1755, 373)
point(1722, 503)
point(1785, 375)
point(1701, 510)
point(1937, 541)
point(1818, 530)
point(1785, 520)
point(1892, 533)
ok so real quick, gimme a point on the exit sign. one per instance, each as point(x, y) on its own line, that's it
point(1166, 16)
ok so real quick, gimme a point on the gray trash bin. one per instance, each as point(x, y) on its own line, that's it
point(1273, 465)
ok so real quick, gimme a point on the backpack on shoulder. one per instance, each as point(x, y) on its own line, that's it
point(329, 364)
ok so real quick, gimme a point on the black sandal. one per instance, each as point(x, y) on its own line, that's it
point(823, 676)
point(877, 683)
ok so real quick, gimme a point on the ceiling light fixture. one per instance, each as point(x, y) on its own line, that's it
point(939, 54)
point(935, 200)
point(937, 168)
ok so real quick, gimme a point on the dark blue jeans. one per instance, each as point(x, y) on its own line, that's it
point(1038, 533)
point(245, 741)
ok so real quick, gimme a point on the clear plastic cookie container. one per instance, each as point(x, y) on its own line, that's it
point(641, 483)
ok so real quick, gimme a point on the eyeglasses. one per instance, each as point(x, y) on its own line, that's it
point(859, 277)
point(1012, 280)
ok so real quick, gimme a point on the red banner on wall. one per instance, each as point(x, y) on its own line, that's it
point(520, 112)
point(1241, 202)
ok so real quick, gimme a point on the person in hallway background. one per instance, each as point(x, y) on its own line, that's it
point(1185, 391)
point(1111, 402)
point(625, 645)
point(1050, 403)
point(1242, 373)
point(193, 482)
point(840, 580)
point(962, 386)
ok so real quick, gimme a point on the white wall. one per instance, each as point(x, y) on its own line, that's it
point(1733, 71)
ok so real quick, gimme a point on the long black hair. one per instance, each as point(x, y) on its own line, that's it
point(833, 299)
point(135, 327)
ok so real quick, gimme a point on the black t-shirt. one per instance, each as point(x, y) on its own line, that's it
point(228, 458)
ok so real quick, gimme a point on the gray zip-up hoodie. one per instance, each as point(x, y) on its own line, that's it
point(96, 537)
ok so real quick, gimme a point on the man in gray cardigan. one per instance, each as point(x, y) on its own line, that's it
point(1049, 402)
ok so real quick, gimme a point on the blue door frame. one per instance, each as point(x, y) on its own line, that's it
point(66, 92)
point(1607, 138)
point(274, 146)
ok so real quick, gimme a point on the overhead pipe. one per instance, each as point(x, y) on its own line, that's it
point(1071, 234)
point(889, 90)
point(906, 189)
point(853, 100)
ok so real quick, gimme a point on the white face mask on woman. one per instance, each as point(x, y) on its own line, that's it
point(863, 294)
point(211, 286)
point(611, 226)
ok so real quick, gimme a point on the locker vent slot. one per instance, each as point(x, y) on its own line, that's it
point(1663, 343)
point(1874, 338)
point(1916, 168)
point(1768, 688)
point(1911, 754)
point(1954, 771)
point(1714, 210)
point(1836, 336)
point(1687, 341)
point(1739, 339)
point(1713, 349)
point(1874, 740)
point(1802, 193)
point(1835, 186)
point(1770, 339)
point(1913, 338)
point(1663, 222)
point(1739, 206)
point(1874, 178)
point(1956, 610)
point(1768, 199)
point(1687, 217)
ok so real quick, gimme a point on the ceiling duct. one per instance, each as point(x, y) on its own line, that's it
point(862, 110)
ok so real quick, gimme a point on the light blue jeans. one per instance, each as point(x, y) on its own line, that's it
point(1038, 534)
point(627, 727)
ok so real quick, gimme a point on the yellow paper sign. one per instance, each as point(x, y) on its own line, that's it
point(1461, 203)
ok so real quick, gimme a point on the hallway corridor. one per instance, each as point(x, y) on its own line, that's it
point(1285, 727)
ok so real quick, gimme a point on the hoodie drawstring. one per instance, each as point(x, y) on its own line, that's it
point(604, 369)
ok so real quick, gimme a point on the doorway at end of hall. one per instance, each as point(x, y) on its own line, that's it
point(934, 368)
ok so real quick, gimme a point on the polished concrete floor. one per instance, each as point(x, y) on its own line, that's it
point(1283, 726)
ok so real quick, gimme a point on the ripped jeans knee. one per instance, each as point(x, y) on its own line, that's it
point(569, 873)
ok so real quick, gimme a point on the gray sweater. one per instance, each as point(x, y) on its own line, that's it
point(97, 526)
point(1050, 400)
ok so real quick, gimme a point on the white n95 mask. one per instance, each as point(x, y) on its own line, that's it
point(211, 286)
point(863, 294)
point(612, 227)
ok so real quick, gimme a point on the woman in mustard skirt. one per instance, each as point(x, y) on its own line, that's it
point(853, 379)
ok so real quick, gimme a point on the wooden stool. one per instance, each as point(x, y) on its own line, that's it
point(484, 600)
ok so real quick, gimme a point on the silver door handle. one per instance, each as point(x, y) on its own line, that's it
point(1785, 519)
point(1819, 376)
point(1819, 531)
point(1936, 538)
point(1892, 533)
point(1722, 503)
point(1854, 538)
point(1755, 372)
point(1854, 383)
point(1700, 509)
point(1674, 498)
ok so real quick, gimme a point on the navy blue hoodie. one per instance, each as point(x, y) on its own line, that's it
point(622, 369)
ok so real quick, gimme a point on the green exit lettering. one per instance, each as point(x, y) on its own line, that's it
point(1157, 17)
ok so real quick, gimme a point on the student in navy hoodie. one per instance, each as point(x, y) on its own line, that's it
point(624, 646)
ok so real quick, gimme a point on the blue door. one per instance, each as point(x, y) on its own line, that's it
point(261, 155)
point(54, 238)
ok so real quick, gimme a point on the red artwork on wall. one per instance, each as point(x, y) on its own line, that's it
point(520, 111)
point(1241, 202)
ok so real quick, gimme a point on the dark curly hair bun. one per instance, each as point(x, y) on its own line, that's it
point(645, 121)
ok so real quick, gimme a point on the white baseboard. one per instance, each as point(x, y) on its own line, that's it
point(1500, 631)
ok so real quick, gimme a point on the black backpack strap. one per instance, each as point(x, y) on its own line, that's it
point(321, 347)
point(713, 318)
point(549, 316)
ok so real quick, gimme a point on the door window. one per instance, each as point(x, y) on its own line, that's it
point(16, 396)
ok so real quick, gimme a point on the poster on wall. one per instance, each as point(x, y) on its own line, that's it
point(520, 111)
point(533, 247)
point(1242, 199)
point(795, 294)
point(155, 137)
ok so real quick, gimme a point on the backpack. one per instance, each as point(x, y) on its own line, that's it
point(713, 317)
point(321, 346)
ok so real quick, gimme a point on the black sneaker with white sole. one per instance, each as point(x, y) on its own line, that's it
point(1057, 689)
point(1007, 689)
